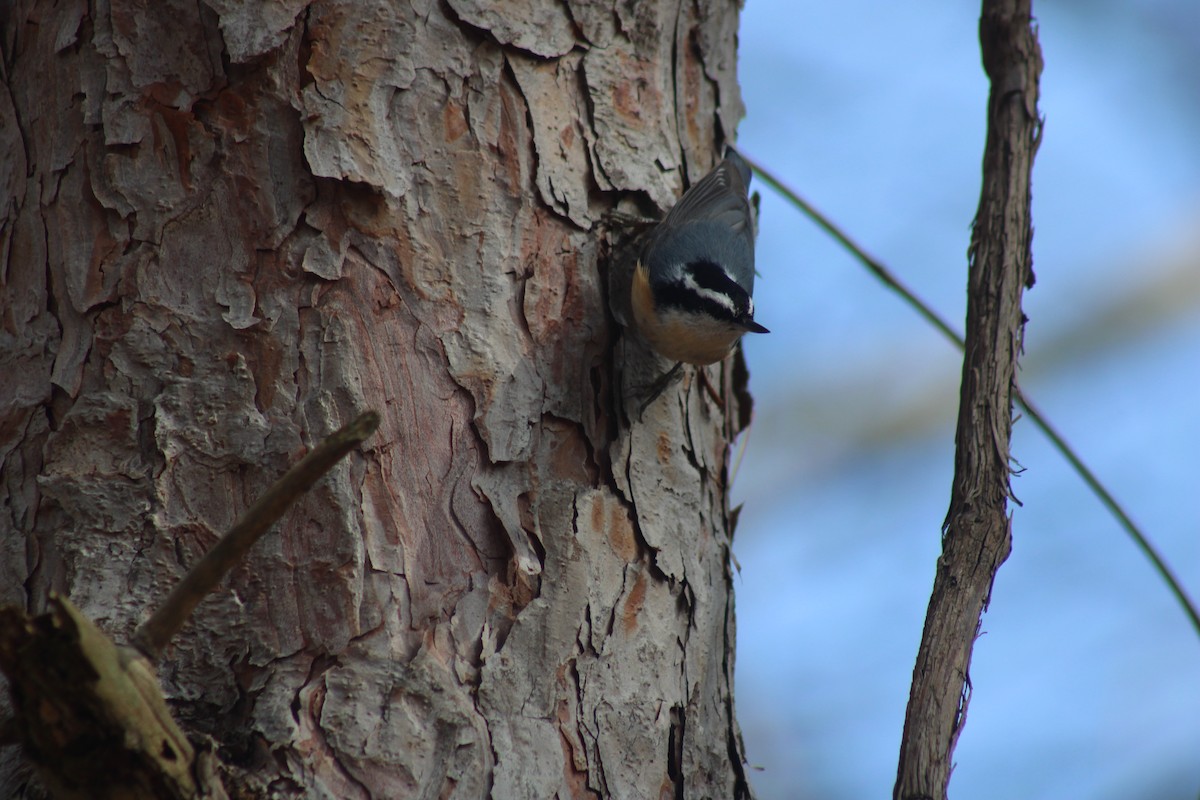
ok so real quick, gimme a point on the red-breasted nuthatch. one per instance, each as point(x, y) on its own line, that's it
point(691, 297)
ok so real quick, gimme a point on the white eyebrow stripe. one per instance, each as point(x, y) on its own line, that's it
point(720, 298)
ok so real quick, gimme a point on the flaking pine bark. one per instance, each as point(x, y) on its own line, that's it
point(225, 229)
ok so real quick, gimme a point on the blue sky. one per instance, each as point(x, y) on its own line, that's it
point(1085, 677)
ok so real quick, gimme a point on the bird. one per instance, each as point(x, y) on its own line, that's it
point(692, 290)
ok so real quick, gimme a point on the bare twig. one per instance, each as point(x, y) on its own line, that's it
point(1139, 538)
point(1031, 411)
point(874, 265)
point(154, 634)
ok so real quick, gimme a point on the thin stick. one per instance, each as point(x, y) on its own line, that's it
point(872, 264)
point(154, 634)
point(1140, 539)
point(1114, 508)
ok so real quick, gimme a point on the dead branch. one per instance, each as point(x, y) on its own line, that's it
point(977, 533)
point(90, 713)
point(153, 634)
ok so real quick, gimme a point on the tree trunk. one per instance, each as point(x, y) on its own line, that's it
point(227, 228)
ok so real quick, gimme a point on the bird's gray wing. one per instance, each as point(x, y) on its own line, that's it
point(719, 196)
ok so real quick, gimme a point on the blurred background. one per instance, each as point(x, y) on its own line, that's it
point(1087, 675)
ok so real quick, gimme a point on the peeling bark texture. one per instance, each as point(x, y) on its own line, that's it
point(225, 229)
point(977, 536)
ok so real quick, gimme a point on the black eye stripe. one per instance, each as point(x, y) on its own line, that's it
point(695, 291)
point(677, 296)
